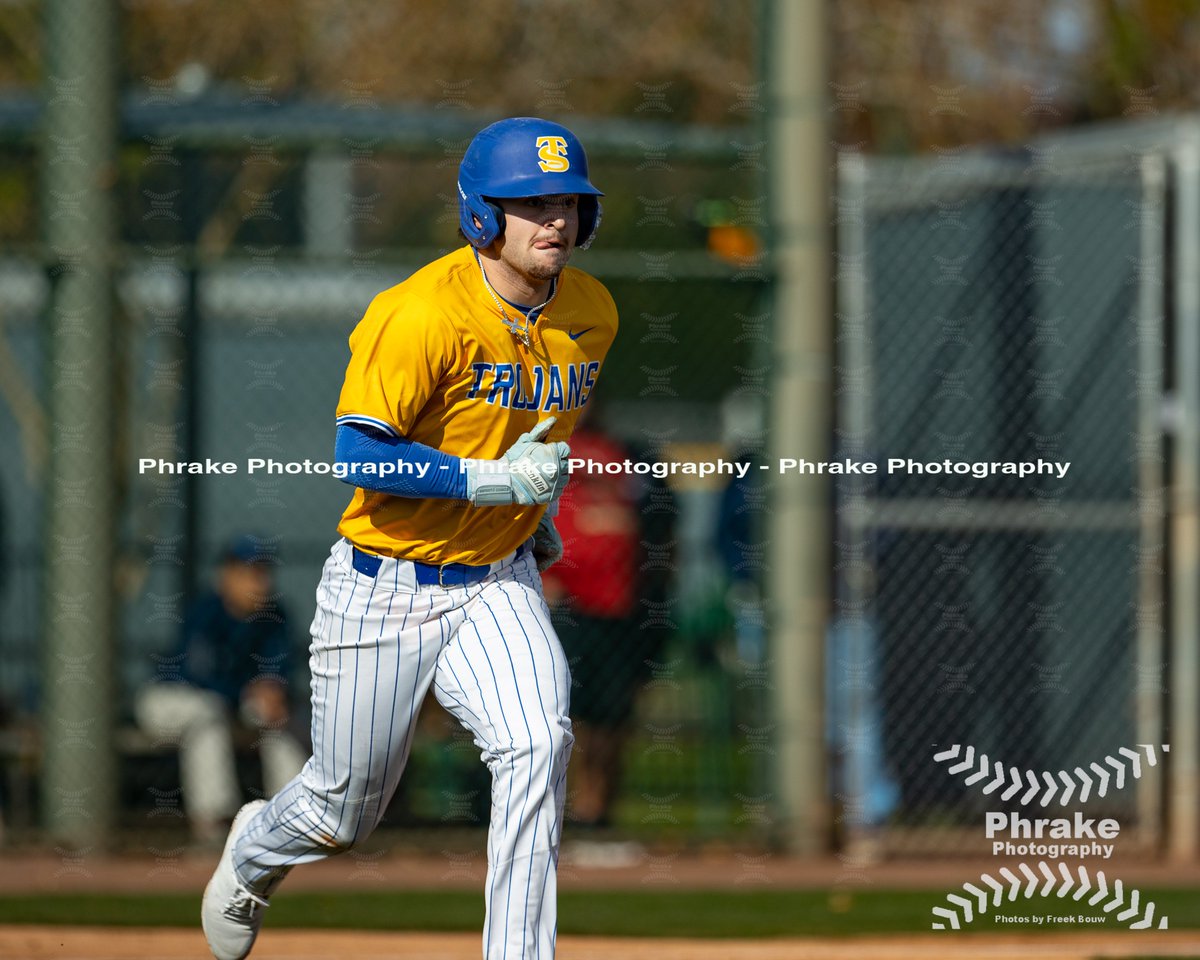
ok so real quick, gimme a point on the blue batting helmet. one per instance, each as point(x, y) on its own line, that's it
point(522, 157)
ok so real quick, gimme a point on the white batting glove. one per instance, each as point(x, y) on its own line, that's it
point(534, 438)
point(531, 445)
point(547, 544)
point(531, 472)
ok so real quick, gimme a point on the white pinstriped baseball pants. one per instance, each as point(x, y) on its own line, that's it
point(496, 664)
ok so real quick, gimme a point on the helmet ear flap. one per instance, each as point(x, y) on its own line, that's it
point(590, 213)
point(498, 214)
point(490, 216)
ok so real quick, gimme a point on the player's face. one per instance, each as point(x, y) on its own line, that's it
point(539, 234)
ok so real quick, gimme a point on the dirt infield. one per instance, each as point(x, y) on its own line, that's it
point(87, 943)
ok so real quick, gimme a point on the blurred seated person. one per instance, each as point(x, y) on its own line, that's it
point(231, 665)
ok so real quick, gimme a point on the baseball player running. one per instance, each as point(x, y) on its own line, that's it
point(470, 375)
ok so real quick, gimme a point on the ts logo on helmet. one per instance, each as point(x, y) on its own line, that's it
point(552, 154)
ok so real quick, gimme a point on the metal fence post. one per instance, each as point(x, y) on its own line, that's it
point(1149, 695)
point(852, 587)
point(1184, 803)
point(79, 787)
point(800, 422)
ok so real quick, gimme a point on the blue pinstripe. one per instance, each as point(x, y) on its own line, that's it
point(529, 783)
point(396, 689)
point(538, 686)
point(362, 811)
point(524, 716)
point(511, 743)
point(353, 710)
point(562, 709)
point(452, 701)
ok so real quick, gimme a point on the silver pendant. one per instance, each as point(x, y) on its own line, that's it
point(521, 332)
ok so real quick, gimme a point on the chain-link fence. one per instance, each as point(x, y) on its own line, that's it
point(992, 310)
point(998, 311)
point(241, 273)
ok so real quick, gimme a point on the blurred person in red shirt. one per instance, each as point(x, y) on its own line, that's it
point(606, 600)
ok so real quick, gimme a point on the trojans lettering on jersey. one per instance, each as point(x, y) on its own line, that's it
point(551, 391)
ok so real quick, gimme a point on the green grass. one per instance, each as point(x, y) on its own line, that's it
point(675, 913)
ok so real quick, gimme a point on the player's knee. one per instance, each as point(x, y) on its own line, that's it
point(566, 739)
point(334, 834)
point(549, 745)
point(342, 837)
point(333, 823)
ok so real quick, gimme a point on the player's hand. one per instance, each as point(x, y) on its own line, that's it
point(530, 473)
point(533, 444)
point(526, 441)
point(547, 544)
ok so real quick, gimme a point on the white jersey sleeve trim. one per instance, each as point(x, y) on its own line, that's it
point(368, 421)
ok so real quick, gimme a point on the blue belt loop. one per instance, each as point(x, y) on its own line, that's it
point(366, 563)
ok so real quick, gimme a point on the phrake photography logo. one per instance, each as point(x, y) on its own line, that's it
point(1059, 843)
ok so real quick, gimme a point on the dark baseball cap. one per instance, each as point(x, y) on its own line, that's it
point(251, 549)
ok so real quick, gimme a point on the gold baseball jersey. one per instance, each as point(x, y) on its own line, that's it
point(432, 361)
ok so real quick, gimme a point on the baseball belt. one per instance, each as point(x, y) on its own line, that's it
point(428, 574)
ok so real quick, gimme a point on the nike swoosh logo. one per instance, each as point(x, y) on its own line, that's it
point(576, 336)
